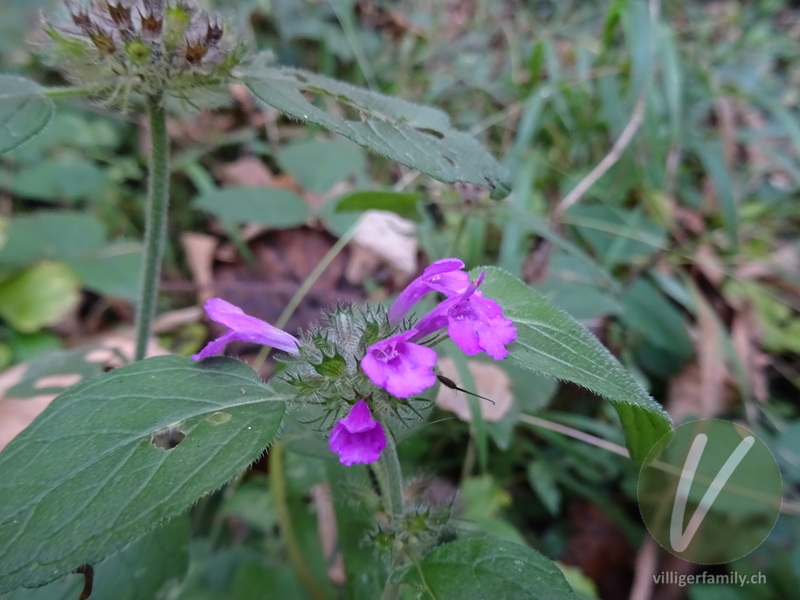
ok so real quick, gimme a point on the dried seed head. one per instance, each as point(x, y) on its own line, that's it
point(79, 15)
point(154, 7)
point(145, 47)
point(103, 41)
point(195, 53)
point(151, 25)
point(120, 13)
point(214, 30)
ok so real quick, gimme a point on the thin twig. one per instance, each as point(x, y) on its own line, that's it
point(576, 434)
point(646, 564)
point(624, 140)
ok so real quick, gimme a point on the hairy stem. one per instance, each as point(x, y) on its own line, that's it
point(155, 222)
point(390, 480)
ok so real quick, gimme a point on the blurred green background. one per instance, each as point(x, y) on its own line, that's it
point(654, 150)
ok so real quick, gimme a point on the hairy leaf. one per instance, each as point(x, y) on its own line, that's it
point(416, 136)
point(550, 341)
point(114, 456)
point(488, 568)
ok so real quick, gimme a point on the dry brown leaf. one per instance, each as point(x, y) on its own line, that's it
point(490, 382)
point(200, 249)
point(174, 319)
point(362, 263)
point(709, 264)
point(326, 528)
point(704, 388)
point(784, 258)
point(391, 238)
point(284, 259)
point(204, 127)
point(251, 171)
point(746, 337)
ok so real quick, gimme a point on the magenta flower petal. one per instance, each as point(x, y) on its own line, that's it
point(443, 276)
point(478, 324)
point(358, 438)
point(401, 367)
point(474, 323)
point(215, 346)
point(245, 328)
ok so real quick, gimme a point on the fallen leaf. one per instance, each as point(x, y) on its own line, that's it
point(705, 387)
point(251, 171)
point(200, 249)
point(389, 237)
point(328, 535)
point(746, 338)
point(491, 382)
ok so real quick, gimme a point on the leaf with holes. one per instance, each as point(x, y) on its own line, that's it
point(551, 342)
point(24, 111)
point(416, 136)
point(488, 568)
point(114, 456)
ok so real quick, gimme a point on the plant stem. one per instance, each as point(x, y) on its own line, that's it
point(155, 222)
point(72, 92)
point(390, 480)
point(277, 479)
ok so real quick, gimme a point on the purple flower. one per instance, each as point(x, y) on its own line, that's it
point(443, 276)
point(473, 322)
point(358, 438)
point(245, 328)
point(399, 366)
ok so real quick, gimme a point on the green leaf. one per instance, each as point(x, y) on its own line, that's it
point(319, 164)
point(549, 341)
point(542, 481)
point(577, 288)
point(416, 136)
point(365, 576)
point(56, 179)
point(484, 501)
point(24, 111)
point(274, 207)
point(141, 569)
point(490, 569)
point(52, 234)
point(713, 159)
point(28, 346)
point(111, 271)
point(137, 572)
point(401, 204)
point(656, 318)
point(93, 473)
point(39, 296)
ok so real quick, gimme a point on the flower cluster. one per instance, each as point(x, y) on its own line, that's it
point(367, 360)
point(474, 323)
point(150, 47)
